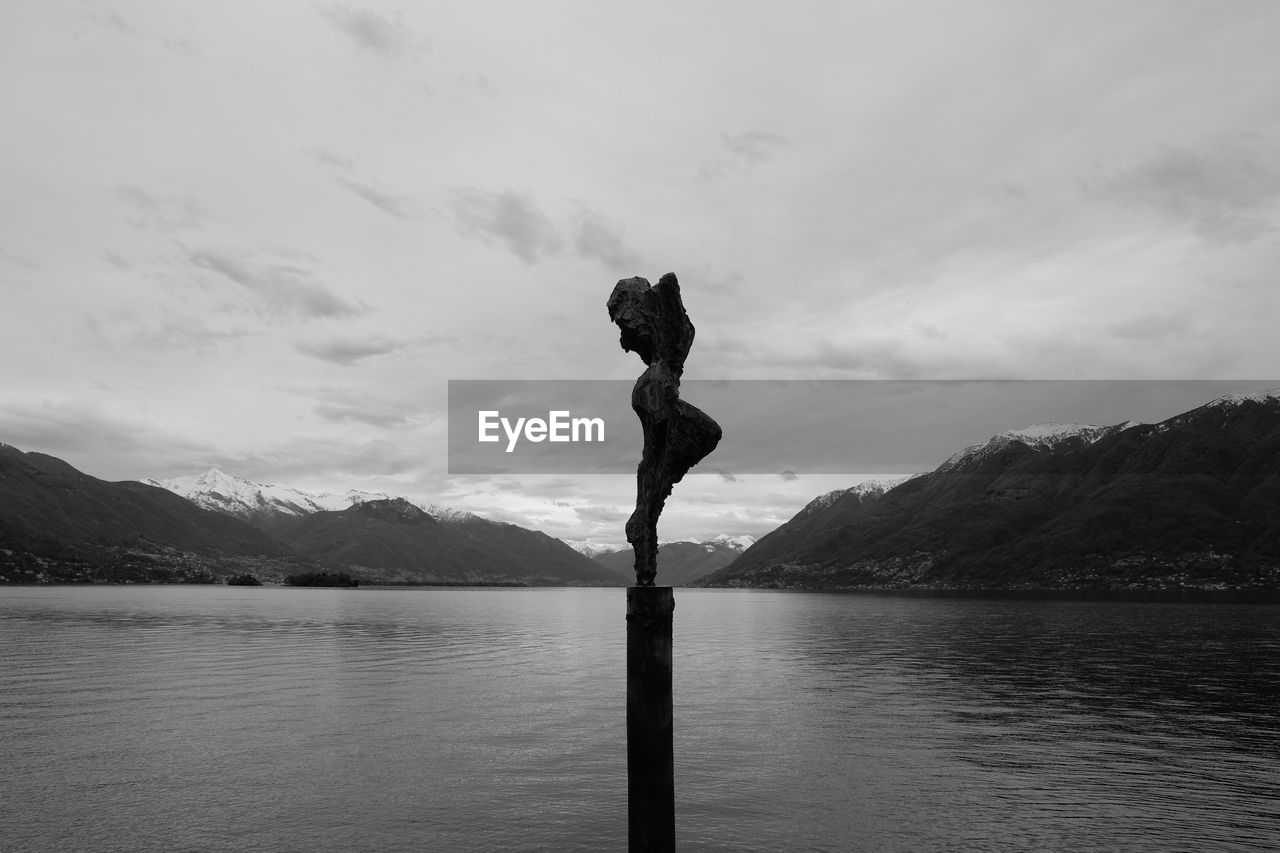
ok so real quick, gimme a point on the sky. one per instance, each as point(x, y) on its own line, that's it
point(263, 237)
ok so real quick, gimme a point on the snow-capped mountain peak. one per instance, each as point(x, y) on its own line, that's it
point(222, 492)
point(867, 488)
point(592, 549)
point(1051, 434)
point(1043, 437)
point(1269, 396)
point(737, 543)
point(445, 513)
point(226, 493)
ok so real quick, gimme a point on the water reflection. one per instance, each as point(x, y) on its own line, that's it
point(258, 719)
point(1082, 726)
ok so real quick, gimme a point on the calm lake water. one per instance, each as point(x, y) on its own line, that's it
point(215, 718)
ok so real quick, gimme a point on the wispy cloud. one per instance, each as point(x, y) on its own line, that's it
point(741, 153)
point(161, 213)
point(510, 219)
point(333, 457)
point(595, 237)
point(112, 21)
point(386, 35)
point(392, 204)
point(601, 515)
point(348, 351)
point(1224, 190)
point(118, 261)
point(330, 158)
point(1150, 328)
point(753, 147)
point(165, 329)
point(20, 261)
point(384, 417)
point(281, 288)
point(80, 431)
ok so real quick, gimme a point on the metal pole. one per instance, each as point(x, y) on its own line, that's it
point(651, 792)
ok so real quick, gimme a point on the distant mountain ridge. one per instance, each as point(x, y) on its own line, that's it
point(393, 538)
point(396, 540)
point(58, 524)
point(265, 504)
point(679, 563)
point(1188, 502)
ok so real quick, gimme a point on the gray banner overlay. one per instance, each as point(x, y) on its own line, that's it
point(783, 426)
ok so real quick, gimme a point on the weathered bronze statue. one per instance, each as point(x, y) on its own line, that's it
point(676, 435)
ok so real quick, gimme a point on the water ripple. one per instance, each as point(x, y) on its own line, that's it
point(187, 718)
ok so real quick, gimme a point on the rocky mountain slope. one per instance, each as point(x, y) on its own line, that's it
point(396, 540)
point(1189, 502)
point(57, 523)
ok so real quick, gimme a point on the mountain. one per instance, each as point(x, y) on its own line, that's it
point(380, 537)
point(396, 540)
point(820, 517)
point(1189, 502)
point(58, 523)
point(266, 505)
point(679, 563)
point(261, 505)
point(1049, 437)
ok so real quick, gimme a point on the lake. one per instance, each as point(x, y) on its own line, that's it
point(264, 719)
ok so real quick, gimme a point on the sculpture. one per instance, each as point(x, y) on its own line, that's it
point(676, 435)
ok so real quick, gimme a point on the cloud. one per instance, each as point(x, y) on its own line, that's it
point(726, 476)
point(111, 20)
point(1150, 328)
point(930, 331)
point(789, 475)
point(161, 213)
point(392, 204)
point(822, 357)
point(20, 261)
point(387, 36)
point(282, 289)
point(100, 439)
point(399, 206)
point(330, 458)
point(164, 329)
point(508, 218)
point(595, 237)
point(374, 416)
point(329, 158)
point(752, 147)
point(117, 261)
point(1224, 190)
point(348, 351)
point(746, 150)
point(601, 515)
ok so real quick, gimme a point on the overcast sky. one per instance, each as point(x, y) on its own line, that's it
point(263, 236)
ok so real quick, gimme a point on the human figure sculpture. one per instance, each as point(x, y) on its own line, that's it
point(676, 435)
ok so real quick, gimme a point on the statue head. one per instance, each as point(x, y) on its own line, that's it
point(629, 308)
point(653, 320)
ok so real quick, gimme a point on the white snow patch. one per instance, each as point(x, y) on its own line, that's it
point(1254, 397)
